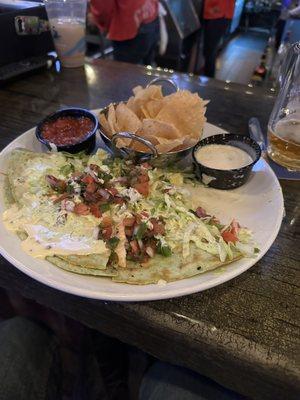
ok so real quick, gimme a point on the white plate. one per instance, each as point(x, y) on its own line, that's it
point(257, 205)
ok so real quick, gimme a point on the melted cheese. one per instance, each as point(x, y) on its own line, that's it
point(47, 237)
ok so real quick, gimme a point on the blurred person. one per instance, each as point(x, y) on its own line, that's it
point(289, 8)
point(217, 16)
point(31, 369)
point(131, 25)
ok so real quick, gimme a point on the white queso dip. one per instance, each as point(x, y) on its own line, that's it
point(222, 156)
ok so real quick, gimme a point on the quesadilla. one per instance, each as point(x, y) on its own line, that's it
point(95, 215)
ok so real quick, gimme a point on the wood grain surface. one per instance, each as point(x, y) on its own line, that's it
point(243, 334)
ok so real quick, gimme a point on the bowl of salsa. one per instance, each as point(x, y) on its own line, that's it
point(71, 130)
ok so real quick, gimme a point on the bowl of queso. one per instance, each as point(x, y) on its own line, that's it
point(225, 161)
point(71, 130)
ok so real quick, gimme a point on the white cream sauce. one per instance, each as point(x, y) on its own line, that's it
point(42, 242)
point(222, 156)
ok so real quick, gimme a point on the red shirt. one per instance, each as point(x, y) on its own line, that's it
point(121, 19)
point(214, 9)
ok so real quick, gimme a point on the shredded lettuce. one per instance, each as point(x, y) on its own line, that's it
point(167, 200)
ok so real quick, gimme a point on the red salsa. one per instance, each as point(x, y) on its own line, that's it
point(67, 130)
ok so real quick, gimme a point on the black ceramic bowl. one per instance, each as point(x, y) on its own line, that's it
point(86, 144)
point(231, 178)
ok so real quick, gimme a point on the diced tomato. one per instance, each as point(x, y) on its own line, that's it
point(94, 208)
point(129, 221)
point(118, 200)
point(134, 246)
point(94, 167)
point(143, 178)
point(91, 197)
point(200, 212)
point(146, 165)
point(56, 184)
point(129, 231)
point(87, 179)
point(235, 227)
point(229, 237)
point(113, 191)
point(158, 227)
point(145, 214)
point(91, 187)
point(106, 221)
point(138, 219)
point(106, 232)
point(81, 209)
point(142, 188)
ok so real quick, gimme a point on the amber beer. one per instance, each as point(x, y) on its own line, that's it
point(284, 143)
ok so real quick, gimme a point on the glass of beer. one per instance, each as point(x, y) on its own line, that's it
point(67, 19)
point(284, 123)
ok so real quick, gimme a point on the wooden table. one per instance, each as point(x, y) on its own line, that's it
point(243, 334)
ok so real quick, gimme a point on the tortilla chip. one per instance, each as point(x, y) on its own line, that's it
point(162, 136)
point(60, 263)
point(112, 120)
point(133, 106)
point(161, 120)
point(145, 112)
point(185, 111)
point(142, 97)
point(186, 144)
point(166, 145)
point(137, 146)
point(127, 120)
point(153, 107)
point(149, 93)
point(105, 126)
point(137, 89)
point(158, 129)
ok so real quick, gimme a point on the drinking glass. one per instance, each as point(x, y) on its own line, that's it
point(284, 123)
point(67, 19)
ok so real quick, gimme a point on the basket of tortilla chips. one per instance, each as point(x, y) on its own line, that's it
point(172, 123)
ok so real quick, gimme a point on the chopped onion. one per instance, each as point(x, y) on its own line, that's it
point(96, 233)
point(150, 251)
point(104, 193)
point(67, 205)
point(135, 230)
point(122, 179)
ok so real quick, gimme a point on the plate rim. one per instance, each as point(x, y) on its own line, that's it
point(159, 295)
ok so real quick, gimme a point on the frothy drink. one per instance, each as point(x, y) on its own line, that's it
point(67, 19)
point(69, 39)
point(284, 143)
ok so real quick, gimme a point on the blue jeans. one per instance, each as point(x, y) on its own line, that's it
point(30, 369)
point(141, 49)
point(168, 382)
